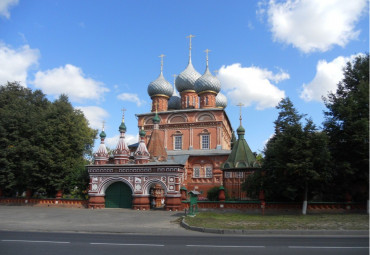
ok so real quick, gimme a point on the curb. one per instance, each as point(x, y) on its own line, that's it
point(276, 232)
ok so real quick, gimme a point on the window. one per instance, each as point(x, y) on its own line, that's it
point(202, 171)
point(178, 142)
point(187, 101)
point(196, 172)
point(205, 142)
point(208, 171)
point(206, 100)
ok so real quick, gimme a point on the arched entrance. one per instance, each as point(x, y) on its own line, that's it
point(118, 195)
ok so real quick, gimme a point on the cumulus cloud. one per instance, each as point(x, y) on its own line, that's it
point(95, 115)
point(314, 25)
point(131, 98)
point(5, 5)
point(14, 63)
point(69, 80)
point(250, 85)
point(111, 142)
point(328, 75)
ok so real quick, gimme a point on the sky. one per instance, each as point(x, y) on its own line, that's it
point(104, 54)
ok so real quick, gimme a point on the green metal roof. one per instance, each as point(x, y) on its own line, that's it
point(241, 155)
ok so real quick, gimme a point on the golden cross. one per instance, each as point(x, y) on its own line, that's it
point(103, 125)
point(240, 118)
point(123, 114)
point(162, 56)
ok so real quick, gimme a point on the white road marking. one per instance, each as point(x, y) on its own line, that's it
point(33, 241)
point(325, 247)
point(128, 244)
point(224, 246)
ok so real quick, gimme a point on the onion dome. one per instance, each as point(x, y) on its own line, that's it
point(156, 119)
point(174, 103)
point(187, 78)
point(122, 127)
point(221, 100)
point(142, 132)
point(102, 134)
point(160, 86)
point(207, 82)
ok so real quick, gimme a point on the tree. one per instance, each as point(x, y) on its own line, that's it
point(347, 125)
point(296, 157)
point(43, 143)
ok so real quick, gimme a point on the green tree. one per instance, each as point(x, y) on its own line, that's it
point(347, 125)
point(296, 157)
point(43, 143)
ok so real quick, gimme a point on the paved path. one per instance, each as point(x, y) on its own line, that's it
point(28, 218)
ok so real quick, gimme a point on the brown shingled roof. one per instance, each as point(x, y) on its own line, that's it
point(156, 147)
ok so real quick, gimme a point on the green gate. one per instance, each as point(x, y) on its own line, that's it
point(118, 195)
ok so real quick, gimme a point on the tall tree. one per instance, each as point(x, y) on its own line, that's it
point(42, 144)
point(347, 125)
point(296, 157)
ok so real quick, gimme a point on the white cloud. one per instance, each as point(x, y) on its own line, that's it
point(328, 75)
point(95, 115)
point(14, 63)
point(111, 142)
point(69, 80)
point(5, 6)
point(250, 85)
point(314, 25)
point(131, 98)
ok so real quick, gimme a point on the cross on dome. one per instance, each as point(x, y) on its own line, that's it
point(161, 56)
point(240, 118)
point(207, 51)
point(190, 36)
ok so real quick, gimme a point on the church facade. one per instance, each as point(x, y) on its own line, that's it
point(184, 141)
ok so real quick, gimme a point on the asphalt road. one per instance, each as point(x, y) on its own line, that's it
point(77, 243)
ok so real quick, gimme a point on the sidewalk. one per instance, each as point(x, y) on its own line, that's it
point(45, 219)
point(124, 221)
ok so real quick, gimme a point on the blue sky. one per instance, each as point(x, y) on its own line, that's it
point(103, 54)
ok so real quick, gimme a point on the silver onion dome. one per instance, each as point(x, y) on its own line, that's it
point(174, 103)
point(186, 79)
point(221, 100)
point(160, 87)
point(207, 82)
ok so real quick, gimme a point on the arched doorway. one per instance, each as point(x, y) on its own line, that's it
point(118, 195)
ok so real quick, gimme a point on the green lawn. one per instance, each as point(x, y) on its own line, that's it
point(279, 222)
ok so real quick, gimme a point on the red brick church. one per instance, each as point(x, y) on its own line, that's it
point(184, 142)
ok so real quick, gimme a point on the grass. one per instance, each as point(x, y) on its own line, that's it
point(279, 222)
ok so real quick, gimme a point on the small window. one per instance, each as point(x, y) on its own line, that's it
point(205, 142)
point(208, 171)
point(187, 101)
point(206, 100)
point(178, 142)
point(196, 172)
